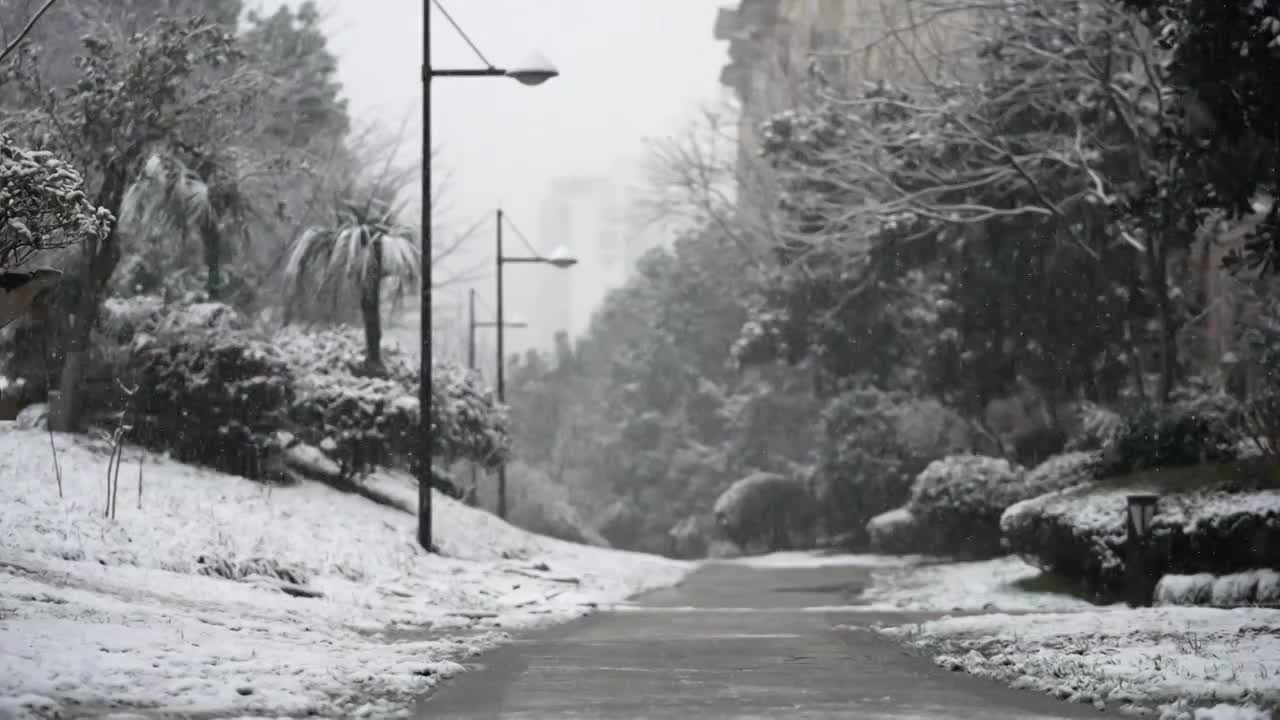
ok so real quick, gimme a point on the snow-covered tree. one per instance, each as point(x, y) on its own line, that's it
point(364, 247)
point(43, 205)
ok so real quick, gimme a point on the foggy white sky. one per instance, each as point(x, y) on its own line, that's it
point(630, 69)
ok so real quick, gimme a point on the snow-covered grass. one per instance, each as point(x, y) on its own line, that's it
point(98, 613)
point(1005, 584)
point(1174, 663)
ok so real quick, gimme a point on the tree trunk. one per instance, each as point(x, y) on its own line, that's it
point(211, 238)
point(100, 260)
point(99, 257)
point(370, 307)
point(1159, 284)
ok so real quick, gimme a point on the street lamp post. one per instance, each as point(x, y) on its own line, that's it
point(473, 324)
point(534, 72)
point(559, 259)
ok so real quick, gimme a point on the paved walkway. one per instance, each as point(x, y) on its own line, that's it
point(732, 642)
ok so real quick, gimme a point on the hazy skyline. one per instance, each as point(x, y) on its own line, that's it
point(629, 71)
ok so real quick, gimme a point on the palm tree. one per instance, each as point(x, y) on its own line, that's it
point(361, 248)
point(170, 199)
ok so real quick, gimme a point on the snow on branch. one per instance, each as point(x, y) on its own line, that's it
point(42, 204)
point(1043, 123)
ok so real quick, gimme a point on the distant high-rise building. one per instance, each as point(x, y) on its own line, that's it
point(583, 215)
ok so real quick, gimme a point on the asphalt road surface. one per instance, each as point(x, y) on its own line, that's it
point(731, 642)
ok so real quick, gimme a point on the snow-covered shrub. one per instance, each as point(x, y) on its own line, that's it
point(690, 538)
point(536, 503)
point(1060, 472)
point(229, 380)
point(875, 444)
point(210, 396)
point(899, 532)
point(961, 497)
point(1191, 431)
point(1098, 428)
point(467, 421)
point(1255, 587)
point(1079, 533)
point(766, 511)
point(373, 420)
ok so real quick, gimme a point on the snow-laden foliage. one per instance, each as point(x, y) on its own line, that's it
point(537, 504)
point(1060, 472)
point(912, 217)
point(1193, 429)
point(957, 503)
point(217, 391)
point(1098, 428)
point(961, 498)
point(210, 396)
point(690, 538)
point(1222, 114)
point(641, 417)
point(42, 204)
point(766, 512)
point(1079, 533)
point(875, 444)
point(900, 532)
point(374, 420)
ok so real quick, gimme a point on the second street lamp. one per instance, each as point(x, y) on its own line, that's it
point(560, 259)
point(472, 324)
point(534, 72)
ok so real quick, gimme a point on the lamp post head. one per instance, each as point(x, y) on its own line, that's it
point(1142, 511)
point(535, 70)
point(561, 258)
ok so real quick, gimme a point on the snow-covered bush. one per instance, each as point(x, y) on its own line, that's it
point(204, 371)
point(1098, 428)
point(210, 396)
point(768, 512)
point(621, 524)
point(373, 420)
point(690, 538)
point(875, 444)
point(1060, 472)
point(1079, 533)
point(537, 504)
point(899, 532)
point(1192, 430)
point(961, 497)
point(1255, 587)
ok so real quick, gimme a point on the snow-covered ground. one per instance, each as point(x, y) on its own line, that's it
point(819, 559)
point(1176, 663)
point(1002, 584)
point(99, 614)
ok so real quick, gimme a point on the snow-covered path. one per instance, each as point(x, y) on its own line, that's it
point(736, 640)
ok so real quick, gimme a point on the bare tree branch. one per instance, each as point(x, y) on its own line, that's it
point(26, 30)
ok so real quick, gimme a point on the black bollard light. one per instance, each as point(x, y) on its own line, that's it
point(1140, 512)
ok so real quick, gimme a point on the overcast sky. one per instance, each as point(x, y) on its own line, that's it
point(631, 69)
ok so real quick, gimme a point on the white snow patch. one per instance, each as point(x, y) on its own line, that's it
point(1181, 659)
point(115, 615)
point(1255, 587)
point(964, 586)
